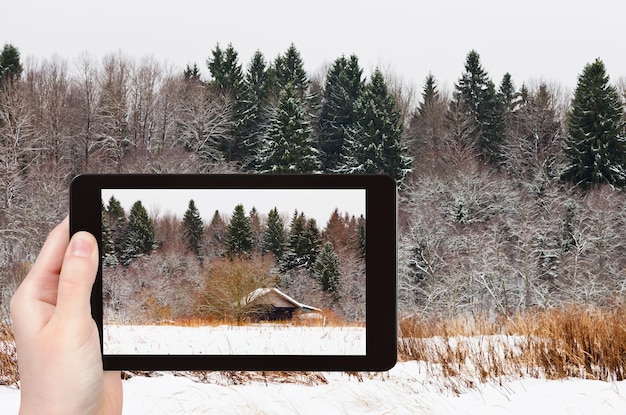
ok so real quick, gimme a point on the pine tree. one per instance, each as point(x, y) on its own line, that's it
point(226, 72)
point(361, 235)
point(294, 255)
point(373, 145)
point(312, 242)
point(508, 96)
point(192, 229)
point(477, 97)
point(216, 236)
point(139, 235)
point(192, 73)
point(274, 236)
point(254, 126)
point(227, 78)
point(344, 86)
point(116, 219)
point(595, 145)
point(426, 127)
point(10, 66)
point(288, 146)
point(326, 269)
point(108, 249)
point(238, 239)
point(257, 230)
point(289, 69)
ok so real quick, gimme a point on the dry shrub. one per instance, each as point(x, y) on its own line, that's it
point(8, 356)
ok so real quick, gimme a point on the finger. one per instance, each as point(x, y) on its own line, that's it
point(38, 291)
point(78, 274)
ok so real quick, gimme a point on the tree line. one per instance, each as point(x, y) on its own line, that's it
point(554, 154)
point(231, 258)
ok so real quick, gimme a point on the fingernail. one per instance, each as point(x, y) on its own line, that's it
point(82, 246)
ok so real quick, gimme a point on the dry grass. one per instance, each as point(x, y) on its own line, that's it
point(571, 342)
point(8, 356)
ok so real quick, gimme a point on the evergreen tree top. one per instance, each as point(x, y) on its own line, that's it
point(10, 66)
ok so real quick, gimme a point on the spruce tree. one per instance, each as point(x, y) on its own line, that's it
point(274, 236)
point(477, 98)
point(595, 145)
point(228, 79)
point(326, 269)
point(289, 69)
point(108, 249)
point(226, 72)
point(373, 144)
point(312, 242)
point(288, 146)
point(139, 235)
point(10, 66)
point(294, 255)
point(257, 109)
point(344, 86)
point(426, 127)
point(192, 229)
point(116, 219)
point(191, 73)
point(257, 230)
point(238, 239)
point(216, 235)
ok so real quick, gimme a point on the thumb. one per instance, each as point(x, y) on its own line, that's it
point(78, 274)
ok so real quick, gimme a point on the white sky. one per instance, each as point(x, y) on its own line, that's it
point(314, 203)
point(550, 40)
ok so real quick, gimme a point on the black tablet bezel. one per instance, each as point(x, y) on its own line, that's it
point(381, 267)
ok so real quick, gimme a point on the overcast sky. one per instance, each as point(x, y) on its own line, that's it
point(314, 203)
point(532, 39)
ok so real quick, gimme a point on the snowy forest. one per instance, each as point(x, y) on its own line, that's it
point(511, 195)
point(168, 268)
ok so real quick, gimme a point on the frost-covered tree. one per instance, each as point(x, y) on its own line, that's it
point(595, 145)
point(112, 114)
point(192, 229)
point(288, 145)
point(139, 234)
point(274, 236)
point(344, 85)
point(326, 269)
point(238, 238)
point(373, 144)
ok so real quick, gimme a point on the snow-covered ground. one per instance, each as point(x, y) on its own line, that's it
point(406, 389)
point(409, 388)
point(247, 339)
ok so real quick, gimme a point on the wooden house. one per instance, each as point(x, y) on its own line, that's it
point(273, 304)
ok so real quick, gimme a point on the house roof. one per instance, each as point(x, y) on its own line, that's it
point(262, 292)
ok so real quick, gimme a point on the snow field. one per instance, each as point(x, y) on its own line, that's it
point(269, 339)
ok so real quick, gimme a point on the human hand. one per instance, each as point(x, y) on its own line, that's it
point(58, 347)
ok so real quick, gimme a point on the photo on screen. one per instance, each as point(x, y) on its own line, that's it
point(234, 271)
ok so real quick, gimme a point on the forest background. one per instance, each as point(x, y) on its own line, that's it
point(510, 196)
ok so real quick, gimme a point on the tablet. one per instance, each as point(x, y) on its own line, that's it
point(242, 272)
